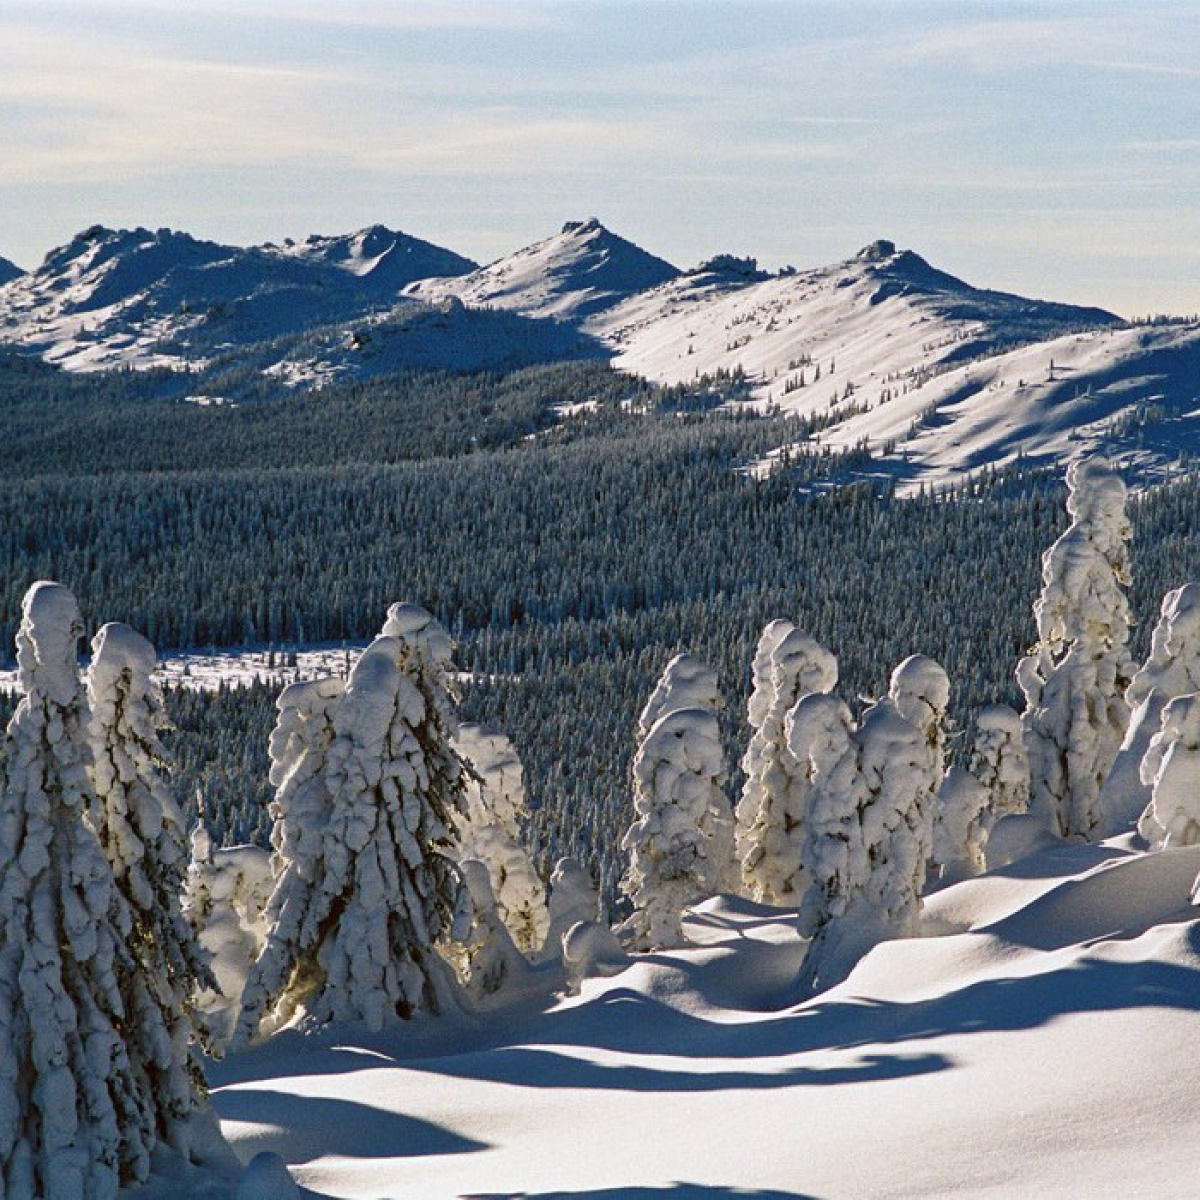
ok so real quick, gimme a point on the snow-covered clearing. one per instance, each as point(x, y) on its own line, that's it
point(240, 666)
point(1029, 1045)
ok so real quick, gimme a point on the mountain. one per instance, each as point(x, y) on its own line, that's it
point(9, 271)
point(113, 298)
point(580, 271)
point(388, 259)
point(878, 317)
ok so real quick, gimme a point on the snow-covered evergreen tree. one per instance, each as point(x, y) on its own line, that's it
point(357, 940)
point(686, 682)
point(76, 1114)
point(489, 830)
point(868, 838)
point(225, 901)
point(897, 830)
point(961, 826)
point(920, 690)
point(821, 732)
point(999, 761)
point(770, 815)
point(1075, 678)
point(1171, 769)
point(1171, 669)
point(141, 831)
point(572, 898)
point(677, 776)
point(494, 963)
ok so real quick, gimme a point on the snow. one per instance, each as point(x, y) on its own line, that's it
point(1034, 1050)
point(579, 271)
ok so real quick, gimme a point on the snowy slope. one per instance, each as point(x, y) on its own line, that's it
point(113, 298)
point(581, 270)
point(1036, 1042)
point(1132, 394)
point(882, 316)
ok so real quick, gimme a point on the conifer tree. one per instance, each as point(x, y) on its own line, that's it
point(1075, 678)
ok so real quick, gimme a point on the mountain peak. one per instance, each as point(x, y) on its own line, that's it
point(9, 271)
point(877, 250)
point(582, 228)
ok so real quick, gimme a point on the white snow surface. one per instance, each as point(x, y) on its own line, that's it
point(580, 270)
point(1035, 1042)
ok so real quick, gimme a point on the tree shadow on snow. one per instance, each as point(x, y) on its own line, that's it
point(306, 1128)
point(675, 1191)
point(990, 1006)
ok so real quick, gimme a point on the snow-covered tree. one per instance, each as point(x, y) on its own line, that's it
point(961, 826)
point(677, 775)
point(298, 749)
point(770, 815)
point(572, 898)
point(141, 831)
point(1075, 678)
point(1171, 769)
point(1172, 669)
point(357, 941)
point(76, 1115)
point(686, 682)
point(999, 761)
point(225, 902)
point(489, 830)
point(494, 963)
point(920, 690)
point(897, 830)
point(821, 732)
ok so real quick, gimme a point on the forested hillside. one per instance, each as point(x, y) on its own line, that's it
point(571, 556)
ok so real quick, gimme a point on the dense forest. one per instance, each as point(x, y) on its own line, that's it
point(571, 556)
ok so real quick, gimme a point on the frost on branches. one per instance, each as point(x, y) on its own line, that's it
point(1172, 669)
point(355, 939)
point(677, 774)
point(770, 816)
point(489, 831)
point(76, 1115)
point(1171, 769)
point(141, 831)
point(1075, 678)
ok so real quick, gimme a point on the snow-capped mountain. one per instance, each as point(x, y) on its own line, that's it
point(113, 298)
point(582, 270)
point(881, 315)
point(883, 349)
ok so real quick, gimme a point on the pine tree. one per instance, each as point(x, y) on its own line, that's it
point(770, 816)
point(489, 831)
point(141, 831)
point(76, 1117)
point(1075, 678)
point(357, 939)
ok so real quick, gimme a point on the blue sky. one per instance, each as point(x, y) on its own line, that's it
point(1048, 148)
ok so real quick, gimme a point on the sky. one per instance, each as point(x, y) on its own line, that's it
point(1049, 148)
